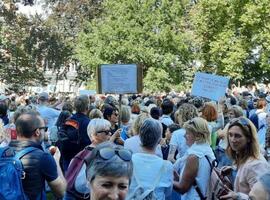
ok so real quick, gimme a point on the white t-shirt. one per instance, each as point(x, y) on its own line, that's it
point(178, 139)
point(134, 145)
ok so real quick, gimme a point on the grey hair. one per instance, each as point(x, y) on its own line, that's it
point(115, 167)
point(150, 133)
point(81, 103)
point(125, 113)
point(95, 113)
point(96, 125)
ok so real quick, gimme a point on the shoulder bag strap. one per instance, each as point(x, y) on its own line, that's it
point(195, 185)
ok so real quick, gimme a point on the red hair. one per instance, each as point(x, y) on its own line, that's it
point(209, 112)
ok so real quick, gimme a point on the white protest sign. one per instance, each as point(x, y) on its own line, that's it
point(118, 78)
point(209, 86)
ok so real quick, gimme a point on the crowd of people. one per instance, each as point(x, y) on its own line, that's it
point(142, 147)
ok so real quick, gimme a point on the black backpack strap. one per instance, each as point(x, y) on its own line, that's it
point(195, 185)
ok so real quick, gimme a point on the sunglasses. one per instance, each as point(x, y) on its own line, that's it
point(240, 121)
point(107, 132)
point(108, 153)
point(45, 128)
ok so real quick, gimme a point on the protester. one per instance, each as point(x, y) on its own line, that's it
point(70, 148)
point(150, 172)
point(95, 113)
point(125, 123)
point(111, 114)
point(165, 143)
point(38, 165)
point(215, 120)
point(196, 168)
point(134, 143)
point(98, 131)
point(184, 113)
point(49, 114)
point(109, 172)
point(243, 149)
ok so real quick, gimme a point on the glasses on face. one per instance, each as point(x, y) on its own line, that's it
point(241, 121)
point(108, 153)
point(45, 128)
point(107, 132)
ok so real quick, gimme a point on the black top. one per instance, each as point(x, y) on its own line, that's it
point(38, 166)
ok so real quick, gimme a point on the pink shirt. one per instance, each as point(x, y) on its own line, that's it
point(248, 173)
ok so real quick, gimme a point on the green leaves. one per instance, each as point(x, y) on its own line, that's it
point(143, 32)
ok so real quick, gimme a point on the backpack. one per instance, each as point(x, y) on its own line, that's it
point(11, 173)
point(255, 120)
point(76, 174)
point(69, 132)
point(145, 194)
point(217, 182)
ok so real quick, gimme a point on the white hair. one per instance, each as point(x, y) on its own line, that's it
point(96, 125)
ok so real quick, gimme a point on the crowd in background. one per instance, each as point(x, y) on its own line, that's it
point(165, 142)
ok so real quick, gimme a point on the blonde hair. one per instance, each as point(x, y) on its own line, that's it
point(138, 123)
point(186, 112)
point(200, 130)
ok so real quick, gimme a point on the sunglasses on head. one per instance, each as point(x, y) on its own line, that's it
point(107, 132)
point(108, 153)
point(192, 122)
point(241, 121)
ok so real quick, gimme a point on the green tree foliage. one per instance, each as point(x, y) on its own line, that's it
point(157, 80)
point(166, 37)
point(232, 37)
point(150, 33)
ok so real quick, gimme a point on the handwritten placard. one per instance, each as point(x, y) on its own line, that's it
point(209, 86)
point(119, 78)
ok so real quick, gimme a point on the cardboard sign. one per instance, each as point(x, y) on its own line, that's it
point(209, 86)
point(119, 79)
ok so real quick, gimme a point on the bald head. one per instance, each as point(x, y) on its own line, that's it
point(27, 123)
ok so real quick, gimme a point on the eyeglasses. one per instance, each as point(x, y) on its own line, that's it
point(241, 121)
point(108, 153)
point(107, 132)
